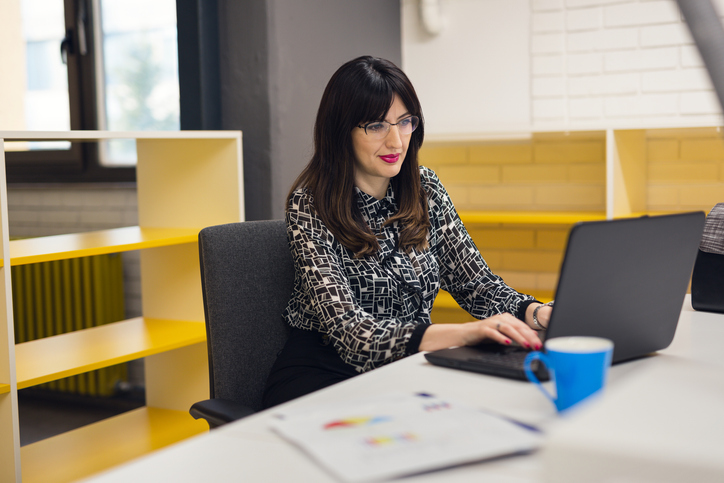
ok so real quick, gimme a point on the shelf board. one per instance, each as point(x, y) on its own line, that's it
point(101, 135)
point(445, 301)
point(102, 445)
point(522, 132)
point(4, 388)
point(61, 247)
point(649, 213)
point(529, 217)
point(64, 355)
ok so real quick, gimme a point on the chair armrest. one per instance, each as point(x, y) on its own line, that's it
point(219, 411)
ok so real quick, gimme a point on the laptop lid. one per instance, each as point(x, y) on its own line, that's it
point(626, 280)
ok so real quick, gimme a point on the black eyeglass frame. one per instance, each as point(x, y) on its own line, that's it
point(414, 124)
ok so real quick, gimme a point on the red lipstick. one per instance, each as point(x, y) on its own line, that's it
point(390, 158)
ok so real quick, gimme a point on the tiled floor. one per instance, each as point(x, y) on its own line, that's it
point(43, 415)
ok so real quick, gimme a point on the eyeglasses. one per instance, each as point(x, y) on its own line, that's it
point(379, 129)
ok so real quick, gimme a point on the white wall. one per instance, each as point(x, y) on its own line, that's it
point(475, 75)
point(556, 64)
point(12, 59)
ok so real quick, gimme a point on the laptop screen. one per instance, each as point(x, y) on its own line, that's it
point(626, 280)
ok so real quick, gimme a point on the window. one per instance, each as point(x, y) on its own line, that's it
point(86, 64)
point(138, 83)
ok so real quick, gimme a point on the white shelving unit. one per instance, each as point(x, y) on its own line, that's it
point(186, 181)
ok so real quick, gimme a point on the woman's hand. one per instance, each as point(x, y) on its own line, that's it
point(544, 314)
point(502, 328)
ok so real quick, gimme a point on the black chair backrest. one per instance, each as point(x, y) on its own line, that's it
point(247, 275)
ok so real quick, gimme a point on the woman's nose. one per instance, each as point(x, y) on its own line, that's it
point(394, 139)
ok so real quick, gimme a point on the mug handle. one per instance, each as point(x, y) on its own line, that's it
point(531, 375)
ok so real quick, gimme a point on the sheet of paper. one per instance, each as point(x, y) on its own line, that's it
point(401, 434)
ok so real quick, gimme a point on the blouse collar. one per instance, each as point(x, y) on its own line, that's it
point(371, 206)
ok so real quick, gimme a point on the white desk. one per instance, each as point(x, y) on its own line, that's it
point(248, 451)
point(662, 422)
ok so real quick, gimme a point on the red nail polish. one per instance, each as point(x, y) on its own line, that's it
point(507, 341)
point(526, 344)
point(538, 346)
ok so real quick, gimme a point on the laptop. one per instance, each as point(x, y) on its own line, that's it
point(622, 279)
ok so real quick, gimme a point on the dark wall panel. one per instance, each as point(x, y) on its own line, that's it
point(275, 58)
point(309, 40)
point(244, 66)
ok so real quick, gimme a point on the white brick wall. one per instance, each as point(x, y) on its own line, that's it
point(543, 5)
point(616, 62)
point(635, 13)
point(549, 43)
point(583, 19)
point(549, 21)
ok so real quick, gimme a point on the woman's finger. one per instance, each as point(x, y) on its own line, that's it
point(514, 329)
point(520, 335)
point(492, 333)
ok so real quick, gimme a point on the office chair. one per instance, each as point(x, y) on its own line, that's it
point(707, 279)
point(247, 274)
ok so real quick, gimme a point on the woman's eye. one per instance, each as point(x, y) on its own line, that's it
point(376, 127)
point(406, 122)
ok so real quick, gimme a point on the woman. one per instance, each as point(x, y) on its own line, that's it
point(374, 236)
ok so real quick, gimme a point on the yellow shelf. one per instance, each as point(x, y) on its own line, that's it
point(529, 217)
point(64, 355)
point(649, 213)
point(102, 445)
point(61, 247)
point(94, 136)
point(445, 301)
point(185, 181)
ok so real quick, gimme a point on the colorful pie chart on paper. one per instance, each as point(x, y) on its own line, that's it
point(356, 422)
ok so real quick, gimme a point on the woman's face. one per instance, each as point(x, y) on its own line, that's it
point(378, 160)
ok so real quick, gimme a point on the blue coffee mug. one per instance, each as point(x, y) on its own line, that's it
point(578, 367)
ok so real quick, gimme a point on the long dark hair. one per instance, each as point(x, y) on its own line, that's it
point(363, 90)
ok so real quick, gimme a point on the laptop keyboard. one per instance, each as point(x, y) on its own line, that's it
point(508, 358)
point(492, 359)
point(497, 352)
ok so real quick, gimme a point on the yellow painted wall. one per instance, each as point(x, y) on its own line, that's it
point(685, 170)
point(549, 172)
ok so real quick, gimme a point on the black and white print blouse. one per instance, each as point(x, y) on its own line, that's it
point(375, 309)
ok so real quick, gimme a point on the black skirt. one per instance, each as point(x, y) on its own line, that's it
point(307, 362)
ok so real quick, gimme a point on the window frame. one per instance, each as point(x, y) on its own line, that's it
point(81, 163)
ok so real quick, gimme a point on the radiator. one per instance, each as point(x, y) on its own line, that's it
point(51, 298)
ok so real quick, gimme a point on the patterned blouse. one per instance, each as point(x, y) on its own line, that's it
point(375, 309)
